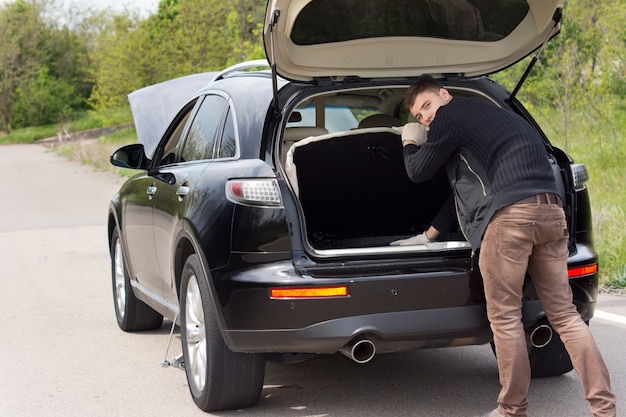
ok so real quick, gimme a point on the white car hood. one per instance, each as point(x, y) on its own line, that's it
point(308, 39)
point(155, 106)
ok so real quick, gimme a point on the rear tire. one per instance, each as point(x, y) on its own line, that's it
point(550, 360)
point(132, 314)
point(218, 378)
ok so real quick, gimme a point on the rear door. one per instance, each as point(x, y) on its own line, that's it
point(181, 199)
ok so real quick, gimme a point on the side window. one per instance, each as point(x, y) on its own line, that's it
point(169, 151)
point(336, 118)
point(228, 146)
point(203, 130)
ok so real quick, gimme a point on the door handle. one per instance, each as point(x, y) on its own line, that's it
point(182, 191)
point(151, 191)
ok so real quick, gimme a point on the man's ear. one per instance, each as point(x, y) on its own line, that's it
point(445, 94)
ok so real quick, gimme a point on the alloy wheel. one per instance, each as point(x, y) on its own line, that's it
point(196, 334)
point(120, 280)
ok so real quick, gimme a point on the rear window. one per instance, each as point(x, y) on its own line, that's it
point(328, 21)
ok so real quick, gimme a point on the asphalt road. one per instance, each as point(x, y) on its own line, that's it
point(62, 354)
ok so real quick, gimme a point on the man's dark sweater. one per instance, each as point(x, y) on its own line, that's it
point(504, 153)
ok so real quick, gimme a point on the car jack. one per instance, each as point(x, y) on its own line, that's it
point(177, 361)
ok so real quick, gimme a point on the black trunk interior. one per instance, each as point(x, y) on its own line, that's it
point(355, 192)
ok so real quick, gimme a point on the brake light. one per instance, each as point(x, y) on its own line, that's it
point(309, 292)
point(257, 192)
point(581, 271)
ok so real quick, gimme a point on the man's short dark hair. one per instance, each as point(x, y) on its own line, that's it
point(424, 82)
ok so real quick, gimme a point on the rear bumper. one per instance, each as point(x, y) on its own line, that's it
point(390, 332)
point(415, 308)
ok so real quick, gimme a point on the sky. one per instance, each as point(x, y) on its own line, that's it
point(146, 7)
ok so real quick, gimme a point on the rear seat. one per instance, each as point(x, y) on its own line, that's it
point(288, 151)
point(294, 134)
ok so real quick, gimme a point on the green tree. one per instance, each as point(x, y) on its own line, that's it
point(183, 37)
point(580, 74)
point(42, 100)
point(199, 38)
point(248, 19)
point(117, 68)
point(19, 35)
point(42, 66)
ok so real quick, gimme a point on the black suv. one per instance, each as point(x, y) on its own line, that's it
point(262, 215)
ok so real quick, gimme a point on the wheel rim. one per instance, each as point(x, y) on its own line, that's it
point(120, 280)
point(195, 335)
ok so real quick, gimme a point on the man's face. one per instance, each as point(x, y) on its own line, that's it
point(426, 104)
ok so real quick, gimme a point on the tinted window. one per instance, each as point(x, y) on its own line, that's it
point(169, 153)
point(203, 130)
point(327, 21)
point(228, 146)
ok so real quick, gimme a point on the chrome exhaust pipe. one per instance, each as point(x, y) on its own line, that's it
point(360, 350)
point(540, 335)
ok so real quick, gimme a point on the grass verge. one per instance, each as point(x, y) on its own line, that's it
point(81, 121)
point(602, 148)
point(96, 152)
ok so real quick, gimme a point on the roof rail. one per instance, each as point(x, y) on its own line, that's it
point(241, 67)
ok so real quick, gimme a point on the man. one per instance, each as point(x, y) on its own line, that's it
point(509, 208)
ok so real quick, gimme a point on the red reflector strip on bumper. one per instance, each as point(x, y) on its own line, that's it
point(311, 292)
point(581, 271)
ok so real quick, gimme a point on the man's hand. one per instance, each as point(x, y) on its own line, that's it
point(415, 133)
point(420, 239)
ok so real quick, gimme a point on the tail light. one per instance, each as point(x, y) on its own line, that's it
point(581, 271)
point(580, 176)
point(254, 192)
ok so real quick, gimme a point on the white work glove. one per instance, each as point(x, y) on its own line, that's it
point(420, 239)
point(414, 132)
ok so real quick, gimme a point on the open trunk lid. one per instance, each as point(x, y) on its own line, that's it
point(311, 39)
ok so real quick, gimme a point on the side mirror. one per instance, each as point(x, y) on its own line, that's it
point(130, 156)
